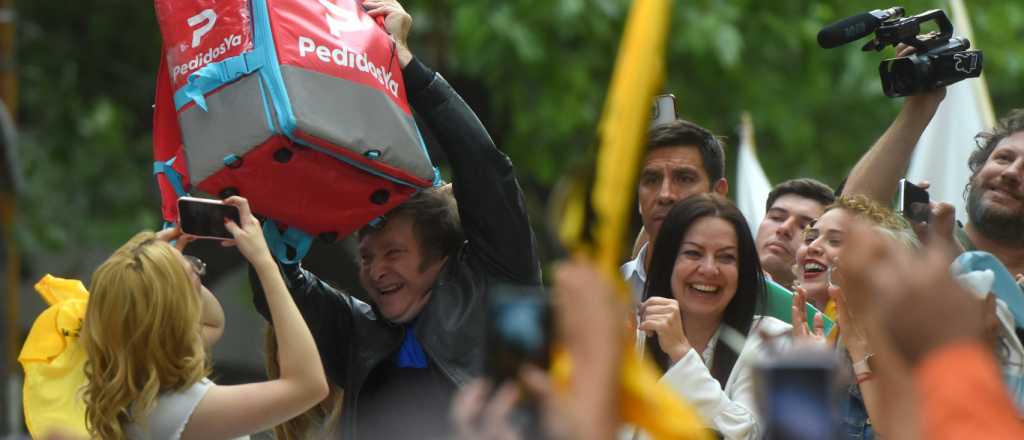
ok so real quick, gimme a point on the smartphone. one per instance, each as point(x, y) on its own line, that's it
point(519, 331)
point(204, 218)
point(664, 109)
point(913, 202)
point(797, 393)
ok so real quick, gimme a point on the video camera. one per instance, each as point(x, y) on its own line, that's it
point(941, 59)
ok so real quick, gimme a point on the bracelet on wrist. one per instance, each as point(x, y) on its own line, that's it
point(863, 366)
point(864, 377)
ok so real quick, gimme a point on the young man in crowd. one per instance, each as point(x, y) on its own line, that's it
point(682, 159)
point(400, 358)
point(791, 206)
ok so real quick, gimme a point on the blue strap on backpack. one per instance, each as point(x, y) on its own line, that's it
point(279, 243)
point(167, 169)
point(214, 75)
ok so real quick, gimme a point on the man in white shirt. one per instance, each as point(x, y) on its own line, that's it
point(682, 159)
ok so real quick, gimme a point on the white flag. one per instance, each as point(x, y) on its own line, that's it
point(942, 153)
point(752, 185)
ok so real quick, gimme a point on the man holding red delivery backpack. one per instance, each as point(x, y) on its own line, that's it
point(428, 267)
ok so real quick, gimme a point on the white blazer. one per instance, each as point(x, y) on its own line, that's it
point(732, 411)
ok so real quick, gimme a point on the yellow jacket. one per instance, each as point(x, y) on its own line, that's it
point(53, 361)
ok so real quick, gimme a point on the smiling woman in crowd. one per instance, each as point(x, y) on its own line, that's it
point(704, 288)
point(818, 272)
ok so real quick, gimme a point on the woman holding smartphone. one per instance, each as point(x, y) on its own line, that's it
point(703, 289)
point(146, 368)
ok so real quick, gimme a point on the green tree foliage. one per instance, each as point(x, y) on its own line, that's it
point(86, 81)
point(87, 73)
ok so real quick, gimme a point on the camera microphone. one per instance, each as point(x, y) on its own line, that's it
point(855, 27)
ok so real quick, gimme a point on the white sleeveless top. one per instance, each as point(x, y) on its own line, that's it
point(170, 414)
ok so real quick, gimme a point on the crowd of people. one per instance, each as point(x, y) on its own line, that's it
point(918, 353)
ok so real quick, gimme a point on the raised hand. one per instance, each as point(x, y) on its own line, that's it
point(932, 98)
point(661, 315)
point(851, 331)
point(587, 313)
point(397, 22)
point(248, 234)
point(478, 417)
point(175, 236)
point(889, 280)
point(801, 332)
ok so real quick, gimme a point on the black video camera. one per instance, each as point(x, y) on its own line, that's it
point(941, 59)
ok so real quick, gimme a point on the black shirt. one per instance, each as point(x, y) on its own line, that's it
point(404, 403)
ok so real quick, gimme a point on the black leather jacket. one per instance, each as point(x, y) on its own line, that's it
point(499, 249)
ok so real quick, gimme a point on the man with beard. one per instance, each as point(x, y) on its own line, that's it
point(995, 191)
point(995, 194)
point(995, 202)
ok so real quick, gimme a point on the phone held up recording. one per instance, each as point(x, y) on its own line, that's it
point(519, 331)
point(913, 202)
point(664, 109)
point(204, 218)
point(797, 393)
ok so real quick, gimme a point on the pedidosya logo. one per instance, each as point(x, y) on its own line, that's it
point(339, 22)
point(202, 23)
point(209, 17)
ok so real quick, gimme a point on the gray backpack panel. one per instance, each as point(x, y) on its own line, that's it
point(366, 120)
point(235, 124)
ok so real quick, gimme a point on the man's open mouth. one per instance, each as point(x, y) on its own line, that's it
point(389, 289)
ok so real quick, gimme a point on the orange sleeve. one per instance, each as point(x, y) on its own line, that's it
point(963, 396)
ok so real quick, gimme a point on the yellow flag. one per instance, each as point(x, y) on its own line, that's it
point(53, 361)
point(594, 223)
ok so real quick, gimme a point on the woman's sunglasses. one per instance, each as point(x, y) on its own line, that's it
point(197, 264)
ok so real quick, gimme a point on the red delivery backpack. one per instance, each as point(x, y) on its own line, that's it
point(297, 105)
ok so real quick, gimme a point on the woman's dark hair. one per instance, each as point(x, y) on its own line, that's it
point(750, 288)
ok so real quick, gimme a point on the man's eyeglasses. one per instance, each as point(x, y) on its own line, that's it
point(197, 264)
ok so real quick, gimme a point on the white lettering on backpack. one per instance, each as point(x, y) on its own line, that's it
point(209, 17)
point(204, 58)
point(341, 20)
point(349, 58)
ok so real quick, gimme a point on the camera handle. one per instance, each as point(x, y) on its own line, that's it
point(906, 30)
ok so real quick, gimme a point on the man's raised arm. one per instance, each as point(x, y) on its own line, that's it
point(490, 201)
point(880, 169)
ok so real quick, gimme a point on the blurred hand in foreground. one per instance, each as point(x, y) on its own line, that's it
point(588, 317)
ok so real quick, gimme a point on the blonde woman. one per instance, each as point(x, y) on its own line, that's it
point(146, 369)
point(816, 259)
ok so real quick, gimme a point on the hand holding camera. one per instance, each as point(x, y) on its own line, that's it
point(938, 60)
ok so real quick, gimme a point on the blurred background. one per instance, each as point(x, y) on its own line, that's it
point(77, 79)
